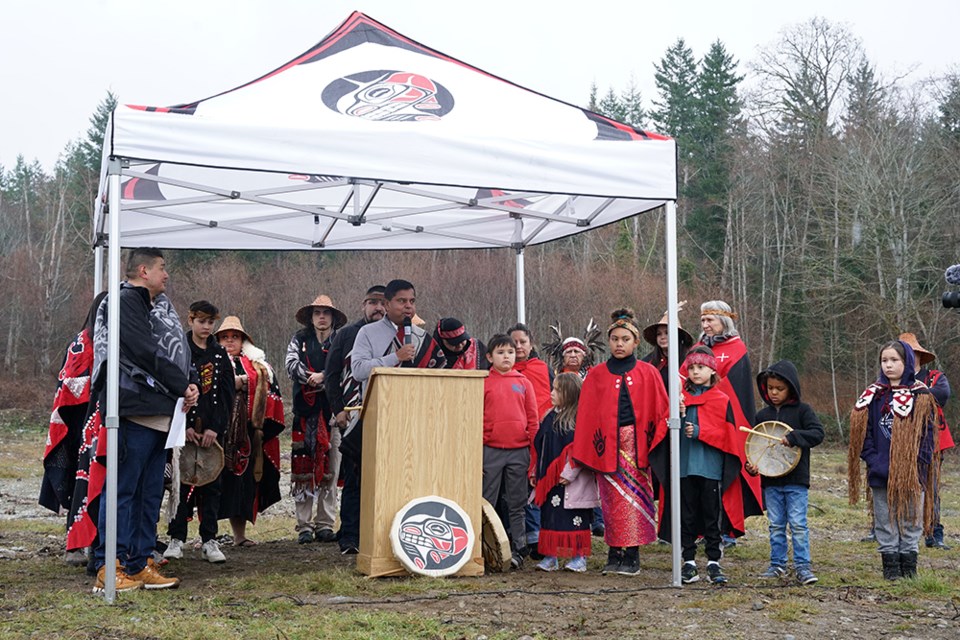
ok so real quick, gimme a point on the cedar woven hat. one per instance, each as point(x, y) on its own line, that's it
point(923, 356)
point(232, 323)
point(304, 314)
point(200, 465)
point(650, 332)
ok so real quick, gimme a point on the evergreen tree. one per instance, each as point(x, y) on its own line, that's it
point(632, 106)
point(865, 100)
point(592, 100)
point(717, 118)
point(950, 108)
point(612, 107)
point(675, 109)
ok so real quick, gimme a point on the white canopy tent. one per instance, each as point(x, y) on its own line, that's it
point(372, 141)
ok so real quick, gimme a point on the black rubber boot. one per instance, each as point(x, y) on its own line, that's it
point(908, 564)
point(891, 566)
point(614, 559)
point(631, 562)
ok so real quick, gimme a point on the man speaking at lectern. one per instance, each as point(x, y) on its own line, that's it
point(391, 342)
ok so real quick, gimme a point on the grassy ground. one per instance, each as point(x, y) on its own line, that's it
point(279, 589)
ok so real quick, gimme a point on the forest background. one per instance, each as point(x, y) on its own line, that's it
point(818, 197)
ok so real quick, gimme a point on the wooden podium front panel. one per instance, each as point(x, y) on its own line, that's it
point(422, 435)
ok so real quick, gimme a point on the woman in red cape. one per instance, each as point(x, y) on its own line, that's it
point(533, 368)
point(621, 404)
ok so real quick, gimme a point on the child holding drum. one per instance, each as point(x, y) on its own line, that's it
point(785, 496)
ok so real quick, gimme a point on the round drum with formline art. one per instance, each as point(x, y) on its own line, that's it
point(432, 536)
point(766, 452)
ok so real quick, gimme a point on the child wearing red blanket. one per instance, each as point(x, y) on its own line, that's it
point(621, 404)
point(565, 492)
point(709, 467)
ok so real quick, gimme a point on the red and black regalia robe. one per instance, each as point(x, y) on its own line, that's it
point(535, 370)
point(715, 415)
point(250, 481)
point(736, 380)
point(70, 408)
point(621, 404)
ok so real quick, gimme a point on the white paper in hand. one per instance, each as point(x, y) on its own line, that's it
point(177, 436)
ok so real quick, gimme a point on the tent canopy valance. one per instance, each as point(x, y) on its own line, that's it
point(370, 140)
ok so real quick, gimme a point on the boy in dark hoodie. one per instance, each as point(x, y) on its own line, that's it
point(785, 497)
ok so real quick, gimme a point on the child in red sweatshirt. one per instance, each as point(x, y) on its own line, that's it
point(510, 422)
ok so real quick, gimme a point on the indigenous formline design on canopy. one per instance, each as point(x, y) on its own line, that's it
point(371, 140)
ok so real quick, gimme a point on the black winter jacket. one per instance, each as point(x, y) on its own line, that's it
point(799, 416)
point(150, 383)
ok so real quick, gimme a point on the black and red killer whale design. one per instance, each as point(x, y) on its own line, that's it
point(433, 542)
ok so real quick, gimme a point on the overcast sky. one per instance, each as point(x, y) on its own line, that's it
point(58, 58)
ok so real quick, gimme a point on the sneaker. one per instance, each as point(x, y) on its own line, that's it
point(577, 565)
point(715, 573)
point(629, 567)
point(728, 543)
point(325, 535)
point(210, 551)
point(806, 576)
point(349, 549)
point(939, 544)
point(305, 537)
point(549, 563)
point(516, 561)
point(152, 579)
point(158, 558)
point(123, 582)
point(174, 549)
point(870, 537)
point(774, 571)
point(688, 573)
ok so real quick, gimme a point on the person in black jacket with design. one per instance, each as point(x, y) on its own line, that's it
point(154, 374)
point(785, 497)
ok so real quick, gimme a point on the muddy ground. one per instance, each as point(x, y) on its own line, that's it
point(849, 602)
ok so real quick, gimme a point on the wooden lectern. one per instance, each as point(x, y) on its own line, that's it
point(422, 435)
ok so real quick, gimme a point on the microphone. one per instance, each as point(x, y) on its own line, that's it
point(407, 331)
point(952, 274)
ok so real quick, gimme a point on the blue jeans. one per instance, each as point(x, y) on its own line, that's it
point(141, 458)
point(531, 521)
point(787, 505)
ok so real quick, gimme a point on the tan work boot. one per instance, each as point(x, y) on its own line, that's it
point(153, 579)
point(124, 582)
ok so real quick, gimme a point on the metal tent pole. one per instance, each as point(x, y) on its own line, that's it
point(97, 269)
point(673, 375)
point(521, 291)
point(112, 420)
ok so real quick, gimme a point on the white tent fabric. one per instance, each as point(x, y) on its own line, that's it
point(370, 140)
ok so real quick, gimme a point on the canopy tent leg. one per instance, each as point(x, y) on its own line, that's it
point(97, 269)
point(673, 375)
point(112, 420)
point(521, 292)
